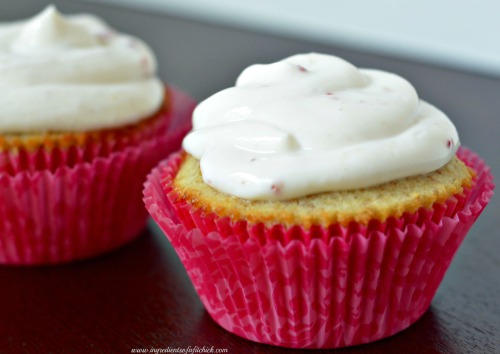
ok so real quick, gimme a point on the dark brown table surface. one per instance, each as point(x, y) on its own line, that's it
point(139, 297)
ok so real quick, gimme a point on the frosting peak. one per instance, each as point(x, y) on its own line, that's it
point(314, 123)
point(49, 31)
point(327, 73)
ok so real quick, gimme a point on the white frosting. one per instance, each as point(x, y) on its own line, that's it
point(73, 74)
point(314, 123)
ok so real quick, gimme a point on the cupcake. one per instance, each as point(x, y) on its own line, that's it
point(317, 205)
point(83, 119)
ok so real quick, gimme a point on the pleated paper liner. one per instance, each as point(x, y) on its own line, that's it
point(72, 212)
point(317, 288)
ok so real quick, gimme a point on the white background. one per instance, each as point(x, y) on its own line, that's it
point(454, 33)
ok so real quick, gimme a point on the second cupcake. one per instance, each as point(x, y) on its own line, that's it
point(83, 118)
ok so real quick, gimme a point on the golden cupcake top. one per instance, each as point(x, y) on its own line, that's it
point(73, 73)
point(391, 199)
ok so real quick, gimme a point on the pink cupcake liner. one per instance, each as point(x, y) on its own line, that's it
point(87, 209)
point(322, 287)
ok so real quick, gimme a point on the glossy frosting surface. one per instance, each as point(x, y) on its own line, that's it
point(73, 73)
point(314, 123)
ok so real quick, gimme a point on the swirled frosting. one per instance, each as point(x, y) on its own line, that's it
point(73, 74)
point(314, 123)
